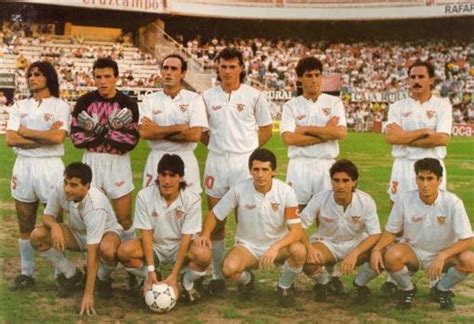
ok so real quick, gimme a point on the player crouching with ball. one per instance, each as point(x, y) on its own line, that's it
point(92, 227)
point(168, 216)
point(268, 229)
point(437, 236)
point(348, 227)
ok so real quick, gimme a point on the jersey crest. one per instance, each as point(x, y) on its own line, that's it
point(355, 220)
point(179, 213)
point(326, 111)
point(47, 116)
point(240, 107)
point(183, 108)
point(430, 114)
point(275, 206)
point(441, 220)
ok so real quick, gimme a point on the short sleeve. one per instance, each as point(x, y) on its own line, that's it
point(145, 109)
point(395, 219)
point(95, 221)
point(198, 117)
point(340, 112)
point(288, 123)
point(193, 222)
point(13, 123)
point(226, 204)
point(262, 111)
point(311, 212)
point(461, 224)
point(445, 118)
point(372, 218)
point(142, 219)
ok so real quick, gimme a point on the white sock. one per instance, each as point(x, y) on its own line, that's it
point(390, 279)
point(451, 279)
point(218, 253)
point(26, 257)
point(403, 279)
point(190, 276)
point(129, 234)
point(141, 272)
point(60, 262)
point(245, 277)
point(288, 275)
point(105, 271)
point(365, 275)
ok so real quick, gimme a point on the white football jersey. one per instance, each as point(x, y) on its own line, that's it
point(40, 115)
point(185, 108)
point(90, 218)
point(360, 218)
point(261, 217)
point(409, 114)
point(300, 111)
point(168, 223)
point(234, 118)
point(429, 228)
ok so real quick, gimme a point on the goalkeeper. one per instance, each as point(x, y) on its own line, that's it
point(105, 123)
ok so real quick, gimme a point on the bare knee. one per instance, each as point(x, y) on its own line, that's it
point(297, 253)
point(108, 252)
point(125, 254)
point(230, 269)
point(393, 259)
point(39, 238)
point(200, 256)
point(466, 261)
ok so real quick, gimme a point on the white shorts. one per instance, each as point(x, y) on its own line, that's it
point(166, 256)
point(403, 177)
point(224, 171)
point(34, 178)
point(111, 173)
point(425, 258)
point(257, 252)
point(338, 250)
point(308, 177)
point(82, 241)
point(191, 169)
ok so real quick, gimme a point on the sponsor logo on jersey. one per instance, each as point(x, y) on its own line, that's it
point(249, 206)
point(154, 214)
point(119, 183)
point(326, 111)
point(216, 108)
point(300, 117)
point(417, 219)
point(23, 115)
point(179, 213)
point(240, 107)
point(406, 114)
point(441, 220)
point(430, 114)
point(355, 220)
point(157, 111)
point(47, 116)
point(275, 206)
point(183, 107)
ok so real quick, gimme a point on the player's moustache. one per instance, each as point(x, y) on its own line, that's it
point(417, 86)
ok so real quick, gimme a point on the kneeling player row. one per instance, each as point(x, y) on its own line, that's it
point(435, 233)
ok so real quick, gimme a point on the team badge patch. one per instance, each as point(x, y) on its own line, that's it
point(275, 206)
point(406, 114)
point(179, 213)
point(300, 117)
point(326, 111)
point(119, 183)
point(154, 214)
point(430, 114)
point(355, 220)
point(47, 116)
point(157, 111)
point(441, 220)
point(183, 107)
point(240, 107)
point(249, 206)
point(216, 108)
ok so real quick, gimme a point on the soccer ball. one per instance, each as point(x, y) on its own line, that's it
point(161, 298)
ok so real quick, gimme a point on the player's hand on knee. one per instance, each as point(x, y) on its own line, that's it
point(203, 241)
point(267, 259)
point(349, 263)
point(57, 237)
point(87, 305)
point(376, 261)
point(435, 271)
point(314, 256)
